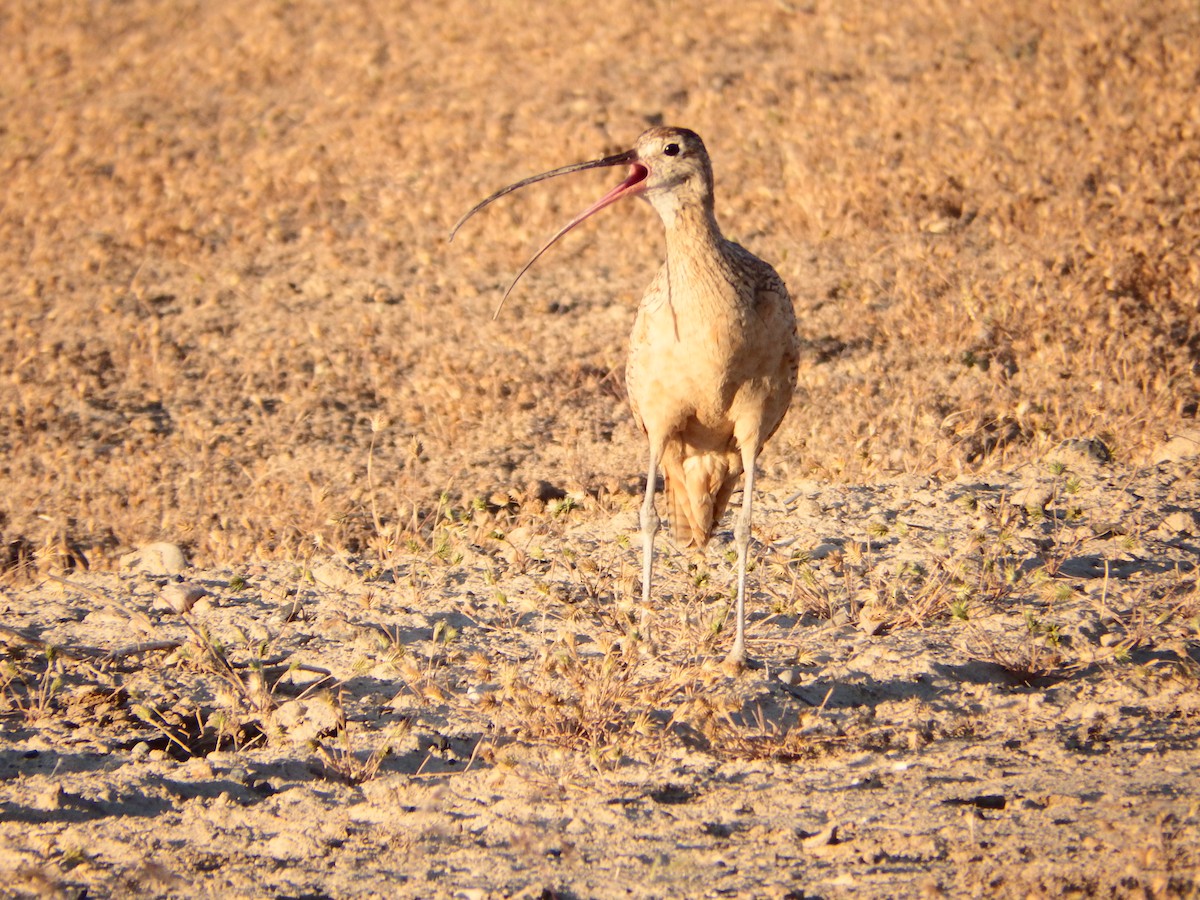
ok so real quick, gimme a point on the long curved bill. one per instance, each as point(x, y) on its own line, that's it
point(633, 184)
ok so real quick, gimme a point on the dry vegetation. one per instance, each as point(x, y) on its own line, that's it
point(225, 274)
point(231, 320)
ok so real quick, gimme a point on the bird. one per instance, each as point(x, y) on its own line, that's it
point(713, 355)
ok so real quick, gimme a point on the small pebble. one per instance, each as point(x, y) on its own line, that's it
point(181, 597)
point(1182, 521)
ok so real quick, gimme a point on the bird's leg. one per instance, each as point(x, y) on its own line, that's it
point(741, 536)
point(649, 522)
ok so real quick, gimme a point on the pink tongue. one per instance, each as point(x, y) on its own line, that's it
point(631, 185)
point(634, 184)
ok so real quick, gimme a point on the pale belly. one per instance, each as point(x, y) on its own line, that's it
point(699, 382)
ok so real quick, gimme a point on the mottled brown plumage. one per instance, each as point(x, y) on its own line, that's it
point(713, 353)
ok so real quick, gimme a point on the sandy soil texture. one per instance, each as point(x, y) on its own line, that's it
point(316, 582)
point(1035, 736)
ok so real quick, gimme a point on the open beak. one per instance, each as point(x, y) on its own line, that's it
point(633, 184)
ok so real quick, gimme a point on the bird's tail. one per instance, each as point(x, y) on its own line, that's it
point(698, 488)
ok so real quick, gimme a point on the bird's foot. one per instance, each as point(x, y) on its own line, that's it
point(737, 662)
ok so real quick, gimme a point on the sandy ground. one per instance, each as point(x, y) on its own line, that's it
point(1037, 740)
point(317, 583)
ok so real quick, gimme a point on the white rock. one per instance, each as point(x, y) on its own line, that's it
point(872, 621)
point(334, 574)
point(291, 845)
point(1180, 446)
point(306, 720)
point(182, 596)
point(787, 676)
point(1182, 521)
point(160, 558)
point(809, 508)
point(1034, 497)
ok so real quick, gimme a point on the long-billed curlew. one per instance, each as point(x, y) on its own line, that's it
point(713, 353)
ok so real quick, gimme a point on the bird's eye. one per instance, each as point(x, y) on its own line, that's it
point(671, 150)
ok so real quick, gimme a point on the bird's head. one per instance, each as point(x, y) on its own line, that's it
point(678, 172)
point(669, 166)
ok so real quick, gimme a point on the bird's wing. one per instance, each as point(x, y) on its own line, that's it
point(653, 301)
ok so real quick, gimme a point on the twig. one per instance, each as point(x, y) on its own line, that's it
point(78, 654)
point(145, 647)
point(84, 653)
point(79, 587)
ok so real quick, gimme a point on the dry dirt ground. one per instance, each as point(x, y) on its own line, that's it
point(403, 654)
